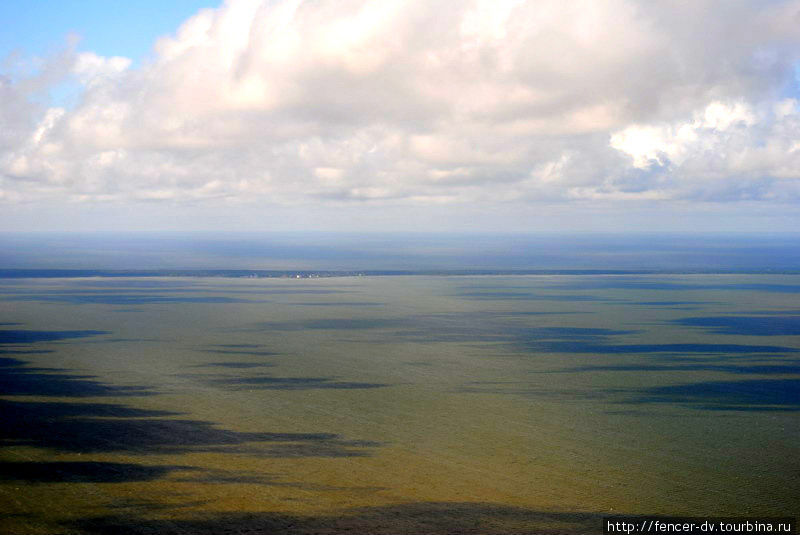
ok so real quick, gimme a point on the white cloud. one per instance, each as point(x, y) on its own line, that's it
point(671, 143)
point(92, 69)
point(420, 102)
point(728, 151)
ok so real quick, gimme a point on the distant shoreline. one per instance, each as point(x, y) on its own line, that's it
point(313, 274)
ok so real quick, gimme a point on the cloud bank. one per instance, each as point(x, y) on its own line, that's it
point(427, 103)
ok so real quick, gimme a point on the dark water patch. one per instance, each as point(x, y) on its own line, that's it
point(104, 341)
point(773, 369)
point(88, 427)
point(484, 315)
point(329, 448)
point(622, 283)
point(746, 325)
point(596, 341)
point(520, 335)
point(82, 472)
point(105, 428)
point(255, 350)
point(224, 477)
point(585, 347)
point(429, 518)
point(669, 304)
point(340, 304)
point(463, 327)
point(540, 313)
point(25, 351)
point(211, 476)
point(15, 336)
point(292, 383)
point(532, 390)
point(125, 299)
point(776, 312)
point(573, 333)
point(18, 380)
point(535, 283)
point(649, 284)
point(235, 365)
point(136, 283)
point(749, 395)
point(584, 340)
point(496, 327)
point(756, 287)
point(526, 296)
point(126, 341)
point(134, 506)
point(239, 352)
point(72, 290)
point(8, 362)
point(765, 358)
point(302, 291)
point(490, 326)
point(329, 324)
point(43, 411)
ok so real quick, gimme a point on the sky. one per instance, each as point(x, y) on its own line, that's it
point(354, 115)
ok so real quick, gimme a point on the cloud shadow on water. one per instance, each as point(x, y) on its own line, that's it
point(527, 296)
point(236, 365)
point(254, 353)
point(429, 518)
point(558, 346)
point(668, 304)
point(599, 341)
point(16, 379)
point(339, 304)
point(758, 395)
point(111, 472)
point(792, 368)
point(20, 336)
point(300, 291)
point(769, 394)
point(107, 428)
point(773, 325)
point(97, 427)
point(751, 395)
point(328, 324)
point(264, 382)
point(83, 472)
point(644, 283)
point(511, 329)
point(126, 299)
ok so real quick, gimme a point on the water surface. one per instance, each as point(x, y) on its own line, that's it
point(413, 404)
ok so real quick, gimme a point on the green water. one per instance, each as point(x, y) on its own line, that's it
point(396, 404)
